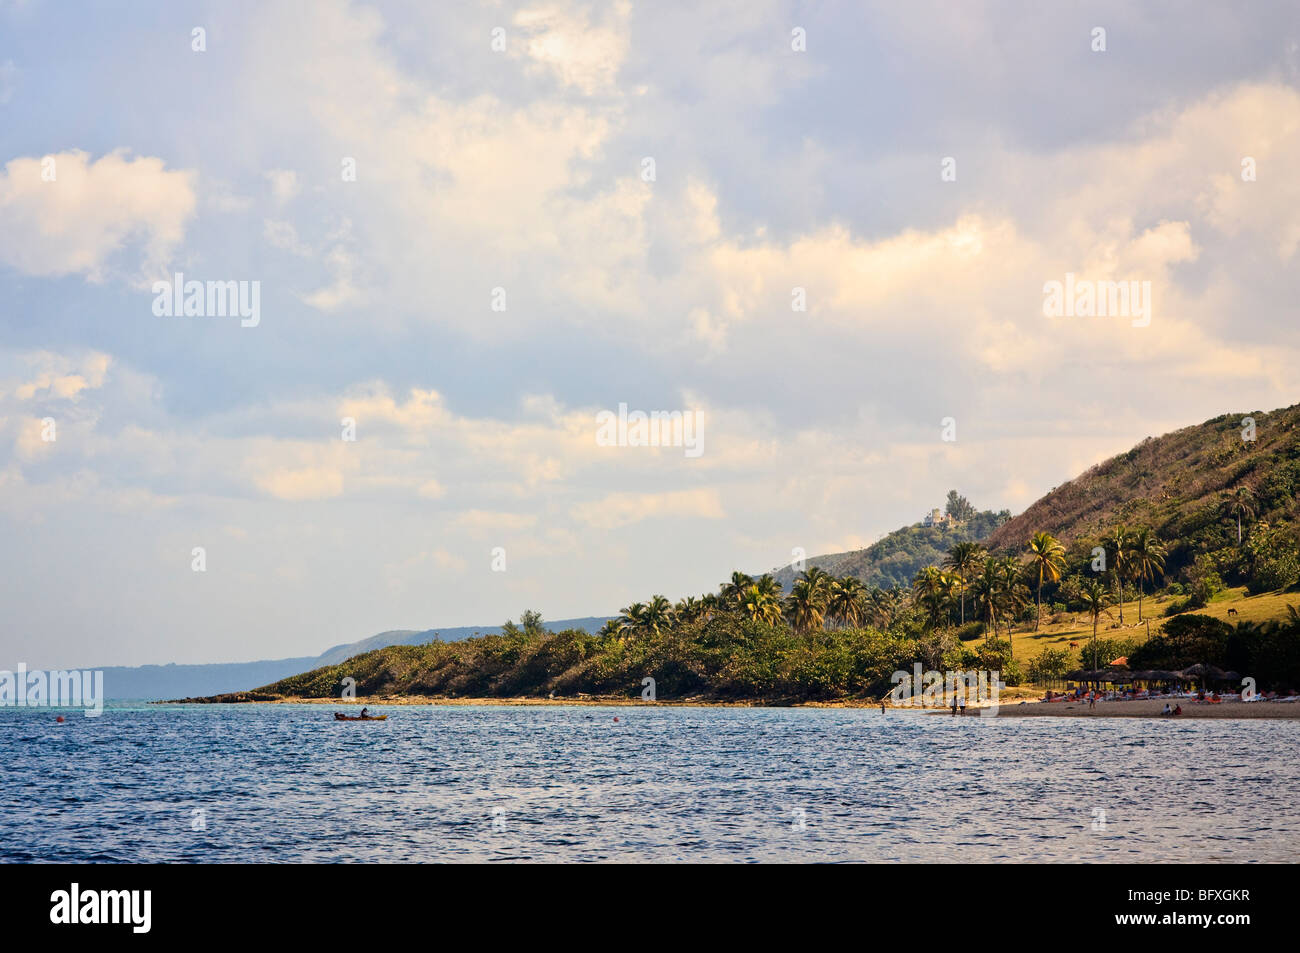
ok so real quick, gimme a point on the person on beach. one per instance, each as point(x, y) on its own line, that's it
point(1168, 710)
point(882, 706)
point(1092, 701)
point(1178, 710)
point(954, 704)
point(963, 704)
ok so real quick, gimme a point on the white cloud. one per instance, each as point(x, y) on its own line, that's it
point(561, 40)
point(284, 185)
point(90, 211)
point(623, 509)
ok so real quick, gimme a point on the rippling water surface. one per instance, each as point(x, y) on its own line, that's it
point(286, 783)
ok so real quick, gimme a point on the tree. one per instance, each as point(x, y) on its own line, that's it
point(928, 592)
point(987, 587)
point(1012, 594)
point(1047, 556)
point(733, 590)
point(964, 560)
point(689, 609)
point(632, 618)
point(531, 622)
point(1117, 543)
point(1240, 502)
point(846, 602)
point(658, 614)
point(805, 606)
point(1095, 600)
point(883, 606)
point(959, 508)
point(761, 605)
point(1148, 558)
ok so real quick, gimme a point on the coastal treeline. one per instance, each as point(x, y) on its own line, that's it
point(828, 636)
point(724, 656)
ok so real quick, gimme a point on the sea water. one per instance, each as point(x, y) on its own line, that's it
point(286, 783)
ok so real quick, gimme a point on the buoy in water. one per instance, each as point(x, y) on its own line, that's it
point(59, 719)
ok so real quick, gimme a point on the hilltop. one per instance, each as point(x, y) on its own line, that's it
point(1178, 485)
point(1215, 504)
point(897, 557)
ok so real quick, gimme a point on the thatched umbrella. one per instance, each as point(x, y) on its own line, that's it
point(1202, 673)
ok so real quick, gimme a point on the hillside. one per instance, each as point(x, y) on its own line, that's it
point(1222, 508)
point(1176, 485)
point(895, 559)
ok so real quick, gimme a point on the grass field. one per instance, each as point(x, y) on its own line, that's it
point(1077, 627)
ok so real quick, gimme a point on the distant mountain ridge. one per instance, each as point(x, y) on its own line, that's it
point(155, 682)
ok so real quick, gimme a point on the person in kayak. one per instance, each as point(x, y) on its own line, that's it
point(365, 712)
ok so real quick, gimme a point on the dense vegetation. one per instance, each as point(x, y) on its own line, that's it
point(723, 657)
point(899, 556)
point(1223, 495)
point(1181, 516)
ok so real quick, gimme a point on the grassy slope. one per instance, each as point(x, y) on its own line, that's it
point(1077, 627)
point(1171, 484)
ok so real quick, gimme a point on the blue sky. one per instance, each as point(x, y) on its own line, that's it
point(522, 169)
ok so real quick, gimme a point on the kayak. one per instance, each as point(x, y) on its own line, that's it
point(341, 717)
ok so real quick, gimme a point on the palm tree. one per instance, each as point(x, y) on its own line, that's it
point(964, 559)
point(1240, 502)
point(845, 604)
point(1118, 542)
point(1047, 556)
point(658, 614)
point(805, 606)
point(927, 590)
point(951, 589)
point(1095, 600)
point(884, 605)
point(733, 591)
point(632, 618)
point(987, 588)
point(689, 609)
point(1148, 559)
point(820, 580)
point(762, 606)
point(1013, 595)
point(710, 605)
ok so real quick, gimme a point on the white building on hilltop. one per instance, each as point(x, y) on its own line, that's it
point(937, 517)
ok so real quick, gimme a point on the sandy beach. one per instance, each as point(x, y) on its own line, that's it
point(1015, 708)
point(1150, 708)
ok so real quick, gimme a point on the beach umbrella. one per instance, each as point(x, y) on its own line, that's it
point(1202, 672)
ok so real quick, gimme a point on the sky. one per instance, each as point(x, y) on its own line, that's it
point(821, 231)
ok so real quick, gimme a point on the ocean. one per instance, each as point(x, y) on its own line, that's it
point(286, 783)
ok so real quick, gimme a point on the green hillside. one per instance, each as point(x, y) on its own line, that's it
point(895, 559)
point(1188, 488)
point(1181, 551)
